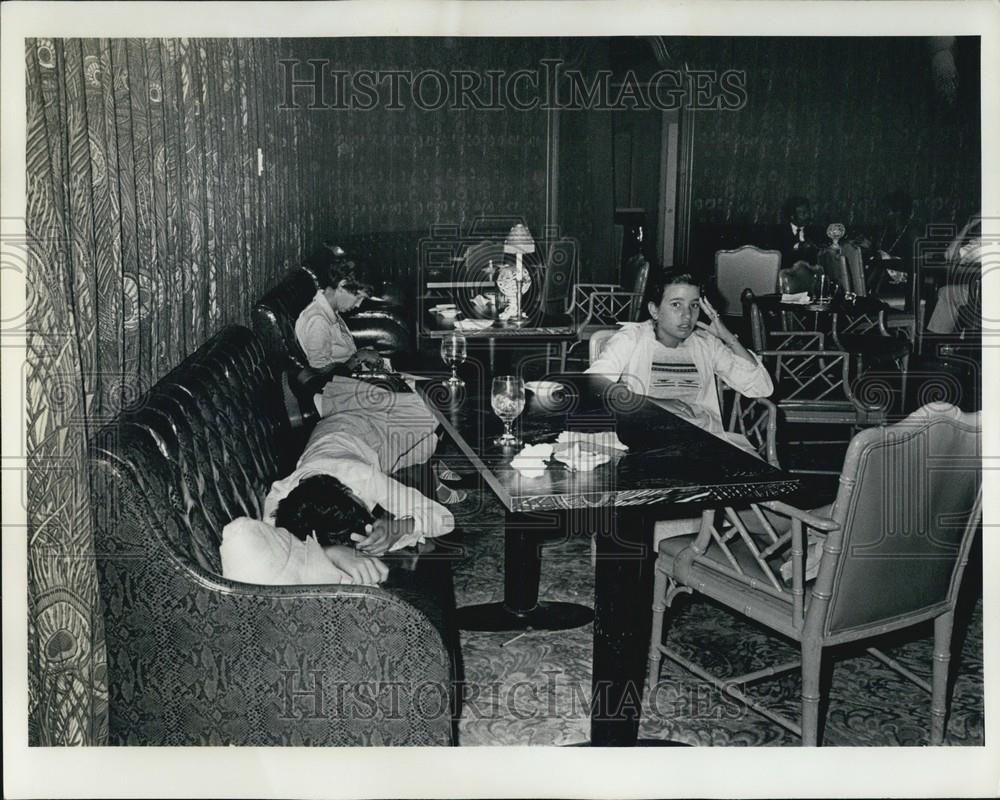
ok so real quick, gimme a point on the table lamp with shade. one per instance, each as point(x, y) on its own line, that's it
point(514, 281)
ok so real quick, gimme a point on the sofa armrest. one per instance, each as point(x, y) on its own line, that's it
point(196, 659)
point(204, 660)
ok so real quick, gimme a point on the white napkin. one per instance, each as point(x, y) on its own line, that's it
point(801, 298)
point(530, 462)
point(473, 324)
point(480, 302)
point(608, 440)
point(580, 460)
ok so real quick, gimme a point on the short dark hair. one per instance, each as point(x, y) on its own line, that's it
point(661, 279)
point(322, 504)
point(791, 204)
point(331, 275)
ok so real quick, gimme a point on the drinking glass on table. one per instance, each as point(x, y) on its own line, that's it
point(453, 353)
point(508, 402)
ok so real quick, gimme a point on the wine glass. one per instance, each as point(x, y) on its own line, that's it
point(453, 353)
point(508, 402)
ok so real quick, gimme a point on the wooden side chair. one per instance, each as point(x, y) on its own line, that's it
point(746, 267)
point(906, 314)
point(812, 377)
point(893, 554)
point(601, 306)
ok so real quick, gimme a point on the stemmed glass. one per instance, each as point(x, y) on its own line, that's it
point(508, 402)
point(453, 353)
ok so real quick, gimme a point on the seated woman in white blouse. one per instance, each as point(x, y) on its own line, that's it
point(320, 329)
point(673, 358)
point(329, 345)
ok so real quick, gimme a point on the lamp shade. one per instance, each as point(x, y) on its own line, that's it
point(519, 240)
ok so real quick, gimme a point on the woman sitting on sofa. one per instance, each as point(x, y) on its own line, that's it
point(328, 344)
point(320, 329)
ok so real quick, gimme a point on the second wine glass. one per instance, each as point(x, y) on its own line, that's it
point(508, 402)
point(453, 353)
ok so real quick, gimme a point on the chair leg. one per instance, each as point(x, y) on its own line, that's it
point(656, 635)
point(939, 676)
point(905, 361)
point(812, 657)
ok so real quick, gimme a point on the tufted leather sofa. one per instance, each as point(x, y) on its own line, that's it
point(377, 324)
point(195, 659)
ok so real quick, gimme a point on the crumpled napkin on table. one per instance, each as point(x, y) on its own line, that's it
point(580, 460)
point(607, 440)
point(800, 298)
point(530, 462)
point(473, 324)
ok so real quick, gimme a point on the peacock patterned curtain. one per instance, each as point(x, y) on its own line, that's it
point(149, 228)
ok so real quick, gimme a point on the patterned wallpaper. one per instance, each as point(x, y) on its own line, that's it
point(841, 120)
point(149, 230)
point(395, 173)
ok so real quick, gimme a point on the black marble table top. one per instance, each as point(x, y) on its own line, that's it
point(861, 304)
point(668, 461)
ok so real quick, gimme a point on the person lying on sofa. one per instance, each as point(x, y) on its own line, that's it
point(339, 493)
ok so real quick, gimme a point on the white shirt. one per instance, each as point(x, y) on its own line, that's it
point(331, 450)
point(628, 356)
point(323, 334)
point(674, 374)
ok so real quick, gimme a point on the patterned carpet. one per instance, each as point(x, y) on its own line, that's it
point(536, 689)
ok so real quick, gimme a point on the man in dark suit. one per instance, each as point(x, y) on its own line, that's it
point(796, 239)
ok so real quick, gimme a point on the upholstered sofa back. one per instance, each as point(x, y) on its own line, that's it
point(377, 324)
point(194, 658)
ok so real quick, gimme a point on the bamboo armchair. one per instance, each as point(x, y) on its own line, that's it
point(893, 555)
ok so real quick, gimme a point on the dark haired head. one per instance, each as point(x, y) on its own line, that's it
point(661, 279)
point(792, 204)
point(329, 276)
point(322, 505)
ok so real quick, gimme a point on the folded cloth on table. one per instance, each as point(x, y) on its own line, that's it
point(606, 441)
point(799, 298)
point(530, 462)
point(472, 324)
point(480, 302)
